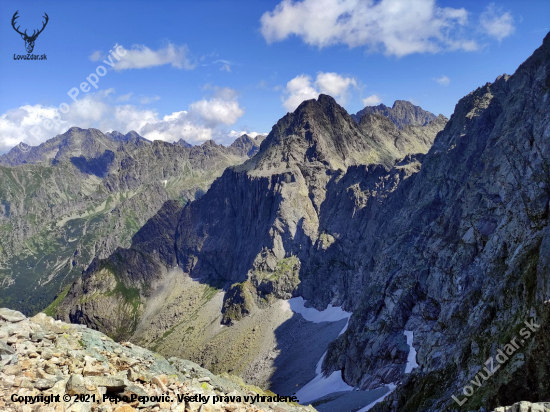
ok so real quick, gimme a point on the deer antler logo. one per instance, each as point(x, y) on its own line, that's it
point(29, 40)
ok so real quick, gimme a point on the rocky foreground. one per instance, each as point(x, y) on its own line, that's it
point(56, 366)
point(525, 407)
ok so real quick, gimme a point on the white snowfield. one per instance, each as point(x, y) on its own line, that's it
point(330, 314)
point(411, 359)
point(321, 386)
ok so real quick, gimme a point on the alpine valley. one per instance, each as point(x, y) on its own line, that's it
point(382, 261)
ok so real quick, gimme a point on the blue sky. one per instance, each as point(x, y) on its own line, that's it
point(202, 69)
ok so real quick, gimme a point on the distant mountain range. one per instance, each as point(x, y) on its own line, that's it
point(83, 193)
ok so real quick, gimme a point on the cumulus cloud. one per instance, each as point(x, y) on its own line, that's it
point(298, 90)
point(217, 111)
point(496, 23)
point(302, 88)
point(205, 119)
point(233, 134)
point(15, 125)
point(372, 100)
point(334, 84)
point(141, 57)
point(178, 125)
point(395, 27)
point(443, 80)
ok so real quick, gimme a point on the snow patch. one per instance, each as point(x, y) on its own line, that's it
point(321, 386)
point(165, 182)
point(411, 359)
point(320, 364)
point(391, 388)
point(330, 314)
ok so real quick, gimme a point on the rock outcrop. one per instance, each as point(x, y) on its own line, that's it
point(81, 370)
point(525, 407)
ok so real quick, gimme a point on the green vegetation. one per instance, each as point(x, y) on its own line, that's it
point(239, 302)
point(285, 267)
point(209, 292)
point(130, 295)
point(281, 282)
point(51, 310)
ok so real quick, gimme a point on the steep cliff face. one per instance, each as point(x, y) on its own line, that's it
point(81, 195)
point(269, 209)
point(283, 202)
point(463, 263)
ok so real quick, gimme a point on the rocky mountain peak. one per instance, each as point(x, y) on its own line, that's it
point(402, 113)
point(244, 145)
point(74, 142)
point(115, 135)
point(321, 132)
point(183, 143)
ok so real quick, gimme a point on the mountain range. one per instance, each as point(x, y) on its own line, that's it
point(83, 193)
point(431, 234)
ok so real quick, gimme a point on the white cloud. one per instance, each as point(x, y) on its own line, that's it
point(179, 125)
point(496, 23)
point(396, 27)
point(217, 111)
point(141, 56)
point(124, 97)
point(16, 123)
point(443, 80)
point(372, 100)
point(334, 84)
point(234, 134)
point(204, 120)
point(298, 90)
point(148, 99)
point(96, 56)
point(225, 65)
point(303, 88)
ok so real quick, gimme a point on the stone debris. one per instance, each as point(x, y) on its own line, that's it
point(40, 357)
point(525, 407)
